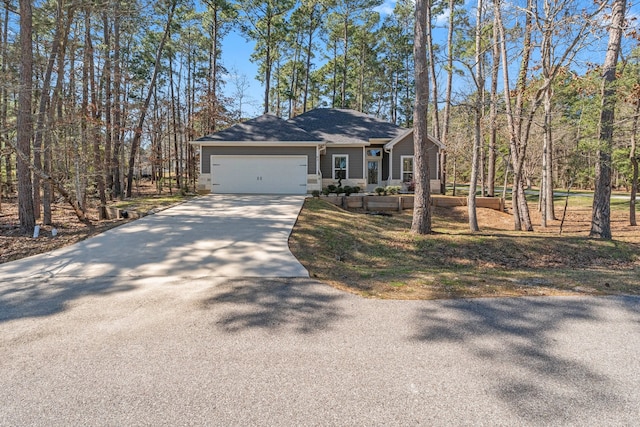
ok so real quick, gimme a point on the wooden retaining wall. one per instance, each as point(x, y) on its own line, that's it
point(401, 202)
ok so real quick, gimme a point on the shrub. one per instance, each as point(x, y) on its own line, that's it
point(325, 191)
point(340, 190)
point(356, 189)
point(315, 193)
point(392, 189)
point(348, 190)
point(380, 191)
point(332, 188)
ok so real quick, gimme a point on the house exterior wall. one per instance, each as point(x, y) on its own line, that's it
point(405, 148)
point(355, 161)
point(207, 152)
point(385, 165)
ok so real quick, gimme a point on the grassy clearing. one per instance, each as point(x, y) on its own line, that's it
point(376, 256)
point(577, 198)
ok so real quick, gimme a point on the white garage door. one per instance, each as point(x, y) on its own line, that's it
point(259, 174)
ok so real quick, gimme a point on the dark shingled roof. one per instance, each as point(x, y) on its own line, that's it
point(345, 126)
point(264, 128)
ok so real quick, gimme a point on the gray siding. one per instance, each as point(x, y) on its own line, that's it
point(405, 148)
point(355, 161)
point(310, 152)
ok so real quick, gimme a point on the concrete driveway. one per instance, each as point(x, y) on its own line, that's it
point(211, 236)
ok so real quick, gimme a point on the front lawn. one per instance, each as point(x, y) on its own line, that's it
point(377, 256)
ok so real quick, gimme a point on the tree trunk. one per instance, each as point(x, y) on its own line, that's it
point(601, 212)
point(267, 67)
point(55, 110)
point(477, 140)
point(4, 99)
point(293, 86)
point(38, 149)
point(47, 188)
point(307, 77)
point(493, 113)
point(40, 121)
point(117, 102)
point(421, 223)
point(23, 157)
point(633, 157)
point(214, 72)
point(25, 121)
point(110, 157)
point(546, 189)
point(135, 144)
point(94, 115)
point(345, 53)
point(174, 120)
point(518, 147)
point(432, 74)
point(335, 74)
point(118, 105)
point(447, 99)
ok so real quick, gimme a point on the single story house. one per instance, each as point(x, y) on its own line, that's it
point(269, 155)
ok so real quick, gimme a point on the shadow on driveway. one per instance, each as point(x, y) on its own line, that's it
point(207, 237)
point(540, 352)
point(232, 236)
point(303, 305)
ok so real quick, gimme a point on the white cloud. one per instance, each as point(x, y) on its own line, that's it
point(386, 8)
point(442, 20)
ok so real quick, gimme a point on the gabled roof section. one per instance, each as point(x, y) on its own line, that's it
point(434, 141)
point(266, 128)
point(345, 126)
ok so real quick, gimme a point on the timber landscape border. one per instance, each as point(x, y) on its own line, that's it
point(402, 202)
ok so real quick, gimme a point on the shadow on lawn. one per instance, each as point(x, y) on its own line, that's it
point(275, 304)
point(520, 343)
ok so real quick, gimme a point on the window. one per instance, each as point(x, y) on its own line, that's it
point(374, 152)
point(407, 168)
point(340, 166)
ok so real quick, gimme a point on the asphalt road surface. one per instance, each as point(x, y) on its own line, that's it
point(172, 351)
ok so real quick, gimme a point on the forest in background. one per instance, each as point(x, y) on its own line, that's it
point(116, 89)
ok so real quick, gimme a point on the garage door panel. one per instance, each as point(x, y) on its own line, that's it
point(259, 174)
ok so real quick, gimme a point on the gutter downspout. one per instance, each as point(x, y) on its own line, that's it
point(318, 171)
point(390, 152)
point(364, 166)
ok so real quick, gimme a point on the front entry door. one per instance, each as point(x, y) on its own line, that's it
point(374, 174)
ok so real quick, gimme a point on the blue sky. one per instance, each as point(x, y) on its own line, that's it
point(236, 55)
